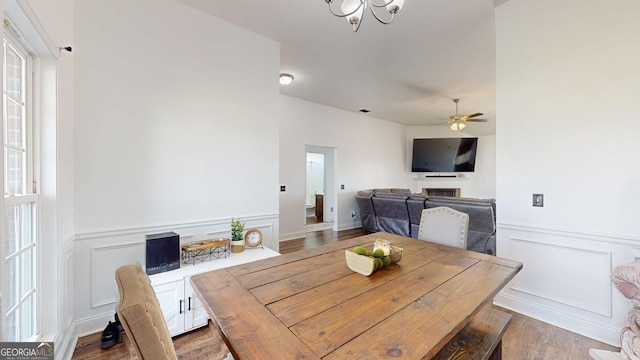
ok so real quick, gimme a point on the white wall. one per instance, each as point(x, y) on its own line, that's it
point(567, 127)
point(370, 153)
point(478, 184)
point(176, 129)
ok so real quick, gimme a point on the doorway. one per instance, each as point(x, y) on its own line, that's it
point(314, 201)
point(320, 193)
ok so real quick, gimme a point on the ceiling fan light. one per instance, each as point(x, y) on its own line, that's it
point(456, 126)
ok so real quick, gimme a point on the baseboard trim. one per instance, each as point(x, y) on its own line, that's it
point(93, 324)
point(65, 343)
point(600, 332)
point(292, 236)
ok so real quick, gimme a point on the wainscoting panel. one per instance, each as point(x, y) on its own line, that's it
point(558, 273)
point(104, 290)
point(565, 278)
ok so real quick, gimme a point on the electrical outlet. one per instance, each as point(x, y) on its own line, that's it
point(353, 213)
point(538, 200)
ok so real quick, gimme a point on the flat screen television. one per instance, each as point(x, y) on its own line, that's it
point(444, 155)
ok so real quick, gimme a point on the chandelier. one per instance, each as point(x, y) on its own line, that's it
point(353, 10)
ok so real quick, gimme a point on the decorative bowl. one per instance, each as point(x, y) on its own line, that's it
point(365, 265)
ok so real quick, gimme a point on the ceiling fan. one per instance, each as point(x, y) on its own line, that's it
point(458, 122)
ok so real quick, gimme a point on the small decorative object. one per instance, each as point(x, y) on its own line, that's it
point(204, 250)
point(237, 241)
point(365, 262)
point(253, 238)
point(385, 245)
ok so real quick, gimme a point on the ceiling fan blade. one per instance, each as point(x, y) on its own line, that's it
point(477, 120)
point(466, 117)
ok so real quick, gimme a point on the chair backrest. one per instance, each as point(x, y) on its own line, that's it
point(391, 213)
point(444, 225)
point(140, 314)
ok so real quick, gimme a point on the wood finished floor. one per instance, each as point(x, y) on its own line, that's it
point(525, 339)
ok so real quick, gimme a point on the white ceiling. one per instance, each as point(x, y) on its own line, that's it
point(406, 72)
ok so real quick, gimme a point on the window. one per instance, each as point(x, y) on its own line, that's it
point(20, 197)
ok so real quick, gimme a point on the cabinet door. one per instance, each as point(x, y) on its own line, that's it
point(195, 316)
point(171, 299)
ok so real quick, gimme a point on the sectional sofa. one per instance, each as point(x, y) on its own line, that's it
point(398, 211)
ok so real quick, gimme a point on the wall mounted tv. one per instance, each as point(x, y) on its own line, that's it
point(444, 155)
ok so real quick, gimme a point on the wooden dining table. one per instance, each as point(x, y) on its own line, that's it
point(308, 304)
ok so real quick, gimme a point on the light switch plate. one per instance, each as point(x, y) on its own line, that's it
point(538, 200)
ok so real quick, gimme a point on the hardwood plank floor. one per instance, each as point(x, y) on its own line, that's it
point(525, 339)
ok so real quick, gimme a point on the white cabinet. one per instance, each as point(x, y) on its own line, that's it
point(195, 314)
point(169, 296)
point(180, 306)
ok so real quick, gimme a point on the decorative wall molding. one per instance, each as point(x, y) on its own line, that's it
point(565, 320)
point(565, 280)
point(266, 229)
point(599, 237)
point(29, 23)
point(100, 234)
point(66, 293)
point(102, 263)
point(584, 254)
point(65, 342)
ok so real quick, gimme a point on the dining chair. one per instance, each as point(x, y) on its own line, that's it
point(444, 225)
point(141, 316)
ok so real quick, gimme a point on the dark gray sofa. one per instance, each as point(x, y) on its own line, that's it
point(399, 212)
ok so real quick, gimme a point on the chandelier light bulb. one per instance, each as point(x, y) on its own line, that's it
point(395, 6)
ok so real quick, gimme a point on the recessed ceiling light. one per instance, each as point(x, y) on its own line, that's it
point(286, 79)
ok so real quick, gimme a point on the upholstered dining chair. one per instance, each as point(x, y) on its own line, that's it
point(444, 225)
point(141, 316)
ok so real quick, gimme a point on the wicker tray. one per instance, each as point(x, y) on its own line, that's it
point(203, 250)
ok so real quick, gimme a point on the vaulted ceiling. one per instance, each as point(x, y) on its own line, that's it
point(406, 72)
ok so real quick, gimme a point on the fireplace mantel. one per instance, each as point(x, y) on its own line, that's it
point(456, 184)
point(449, 192)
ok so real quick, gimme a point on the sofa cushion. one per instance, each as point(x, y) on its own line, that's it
point(400, 191)
point(367, 214)
point(391, 213)
point(381, 191)
point(415, 205)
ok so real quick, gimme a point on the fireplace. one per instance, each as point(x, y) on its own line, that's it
point(450, 192)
